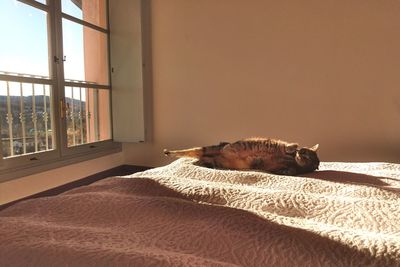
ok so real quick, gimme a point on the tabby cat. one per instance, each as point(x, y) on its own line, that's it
point(270, 155)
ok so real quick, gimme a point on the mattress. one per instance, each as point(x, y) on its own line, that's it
point(345, 214)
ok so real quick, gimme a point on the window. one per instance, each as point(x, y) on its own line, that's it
point(54, 81)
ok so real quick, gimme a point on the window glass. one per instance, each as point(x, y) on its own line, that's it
point(28, 123)
point(85, 54)
point(92, 11)
point(24, 47)
point(88, 115)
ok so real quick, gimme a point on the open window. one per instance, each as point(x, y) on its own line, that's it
point(54, 81)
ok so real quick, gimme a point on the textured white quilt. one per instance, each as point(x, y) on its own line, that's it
point(345, 214)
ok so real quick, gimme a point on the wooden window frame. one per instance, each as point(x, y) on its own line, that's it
point(62, 155)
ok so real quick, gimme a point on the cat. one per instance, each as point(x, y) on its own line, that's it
point(265, 154)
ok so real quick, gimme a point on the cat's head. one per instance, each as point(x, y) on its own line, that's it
point(307, 158)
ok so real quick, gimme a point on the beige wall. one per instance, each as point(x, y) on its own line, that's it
point(308, 71)
point(32, 184)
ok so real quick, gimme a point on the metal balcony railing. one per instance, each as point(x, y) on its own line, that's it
point(26, 116)
point(79, 115)
point(27, 109)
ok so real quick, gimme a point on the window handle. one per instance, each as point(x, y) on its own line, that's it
point(57, 59)
point(63, 108)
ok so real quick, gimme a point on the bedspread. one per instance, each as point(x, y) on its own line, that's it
point(345, 214)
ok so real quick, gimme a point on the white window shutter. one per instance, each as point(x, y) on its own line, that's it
point(126, 45)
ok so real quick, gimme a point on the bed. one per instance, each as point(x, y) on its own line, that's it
point(345, 214)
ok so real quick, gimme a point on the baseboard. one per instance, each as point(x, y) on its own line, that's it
point(119, 170)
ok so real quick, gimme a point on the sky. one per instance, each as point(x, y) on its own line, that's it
point(24, 43)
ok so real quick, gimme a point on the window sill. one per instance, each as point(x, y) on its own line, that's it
point(17, 172)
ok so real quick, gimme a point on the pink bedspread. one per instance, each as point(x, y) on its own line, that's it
point(185, 215)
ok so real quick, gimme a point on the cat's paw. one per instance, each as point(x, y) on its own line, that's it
point(291, 148)
point(288, 171)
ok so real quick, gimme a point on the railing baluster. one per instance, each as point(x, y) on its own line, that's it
point(51, 116)
point(73, 116)
point(34, 117)
point(10, 120)
point(80, 113)
point(96, 114)
point(88, 116)
point(45, 116)
point(22, 117)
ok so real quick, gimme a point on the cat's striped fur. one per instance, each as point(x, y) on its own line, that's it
point(264, 154)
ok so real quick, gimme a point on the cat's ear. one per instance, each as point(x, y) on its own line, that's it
point(314, 148)
point(291, 148)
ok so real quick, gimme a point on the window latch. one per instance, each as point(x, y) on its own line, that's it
point(57, 59)
point(63, 108)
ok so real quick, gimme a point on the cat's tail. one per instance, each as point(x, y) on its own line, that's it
point(196, 152)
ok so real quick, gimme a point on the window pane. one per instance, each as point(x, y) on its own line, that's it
point(24, 43)
point(92, 11)
point(26, 117)
point(85, 52)
point(88, 115)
